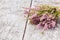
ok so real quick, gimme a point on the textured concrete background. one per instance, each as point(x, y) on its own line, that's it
point(35, 34)
point(12, 21)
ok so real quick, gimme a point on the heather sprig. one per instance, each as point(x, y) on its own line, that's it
point(43, 16)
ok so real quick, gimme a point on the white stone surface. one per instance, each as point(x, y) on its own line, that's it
point(35, 34)
point(12, 20)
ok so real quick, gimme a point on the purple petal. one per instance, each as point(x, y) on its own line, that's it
point(53, 23)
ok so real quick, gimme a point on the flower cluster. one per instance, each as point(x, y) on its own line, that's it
point(45, 17)
point(47, 21)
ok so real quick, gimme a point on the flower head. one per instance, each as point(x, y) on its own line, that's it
point(45, 17)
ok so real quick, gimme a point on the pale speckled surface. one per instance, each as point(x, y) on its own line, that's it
point(35, 34)
point(12, 21)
